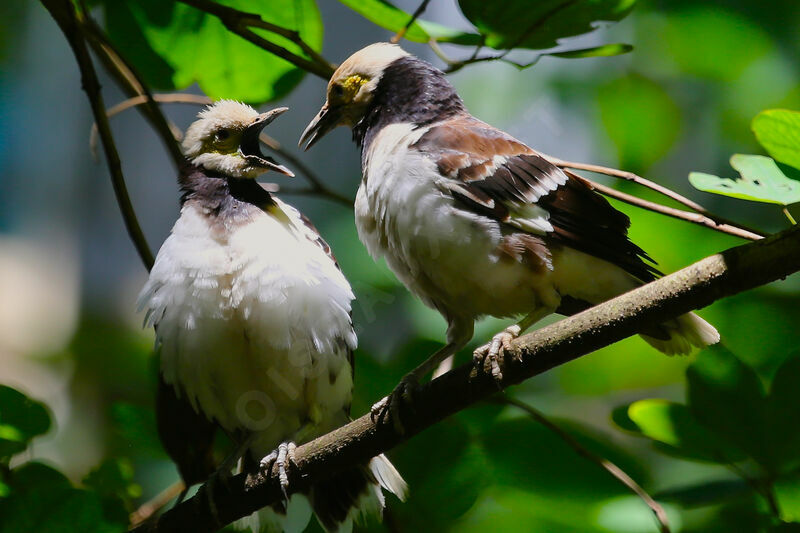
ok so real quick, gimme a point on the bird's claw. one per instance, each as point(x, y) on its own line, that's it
point(284, 457)
point(402, 396)
point(489, 358)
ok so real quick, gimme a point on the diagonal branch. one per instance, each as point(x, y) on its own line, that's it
point(64, 14)
point(715, 277)
point(131, 83)
point(240, 22)
point(669, 193)
point(602, 462)
point(694, 218)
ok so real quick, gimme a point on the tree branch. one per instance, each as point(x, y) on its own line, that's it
point(64, 14)
point(419, 11)
point(239, 22)
point(669, 193)
point(131, 83)
point(730, 272)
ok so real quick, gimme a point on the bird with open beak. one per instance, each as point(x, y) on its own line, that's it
point(472, 220)
point(253, 328)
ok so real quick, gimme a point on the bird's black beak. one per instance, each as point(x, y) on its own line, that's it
point(327, 119)
point(250, 147)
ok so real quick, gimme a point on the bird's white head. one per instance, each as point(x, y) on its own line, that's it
point(351, 89)
point(224, 139)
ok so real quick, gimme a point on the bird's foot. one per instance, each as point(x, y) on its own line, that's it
point(285, 459)
point(489, 357)
point(399, 399)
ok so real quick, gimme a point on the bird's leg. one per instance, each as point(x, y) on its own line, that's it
point(489, 357)
point(284, 457)
point(404, 392)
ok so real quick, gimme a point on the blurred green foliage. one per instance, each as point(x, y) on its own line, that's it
point(726, 458)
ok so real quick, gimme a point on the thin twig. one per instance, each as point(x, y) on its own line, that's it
point(420, 10)
point(630, 176)
point(610, 467)
point(147, 509)
point(713, 278)
point(789, 215)
point(694, 218)
point(64, 14)
point(131, 83)
point(239, 22)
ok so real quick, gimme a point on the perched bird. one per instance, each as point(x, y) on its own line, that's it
point(253, 326)
point(473, 221)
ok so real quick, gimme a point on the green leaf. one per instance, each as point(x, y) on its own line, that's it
point(113, 482)
point(787, 494)
point(778, 131)
point(674, 426)
point(174, 45)
point(21, 419)
point(43, 500)
point(539, 25)
point(135, 428)
point(605, 50)
point(761, 181)
point(394, 19)
point(783, 414)
point(726, 396)
point(641, 119)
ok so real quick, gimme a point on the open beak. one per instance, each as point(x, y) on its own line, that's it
point(327, 119)
point(251, 148)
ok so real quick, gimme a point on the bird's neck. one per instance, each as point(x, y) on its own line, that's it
point(409, 91)
point(219, 192)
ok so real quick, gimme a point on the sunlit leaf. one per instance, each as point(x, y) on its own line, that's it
point(21, 419)
point(538, 25)
point(761, 181)
point(394, 19)
point(596, 51)
point(175, 45)
point(787, 494)
point(778, 131)
point(726, 396)
point(673, 425)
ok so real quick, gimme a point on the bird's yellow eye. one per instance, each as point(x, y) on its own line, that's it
point(347, 90)
point(221, 135)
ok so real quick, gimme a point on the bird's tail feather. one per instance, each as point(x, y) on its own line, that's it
point(682, 334)
point(344, 498)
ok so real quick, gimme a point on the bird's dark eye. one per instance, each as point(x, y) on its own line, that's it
point(338, 90)
point(222, 135)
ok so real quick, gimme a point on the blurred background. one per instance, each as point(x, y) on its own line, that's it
point(682, 101)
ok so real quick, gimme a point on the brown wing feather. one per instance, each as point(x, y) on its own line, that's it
point(492, 173)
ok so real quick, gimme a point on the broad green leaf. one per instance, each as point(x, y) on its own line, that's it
point(539, 25)
point(21, 419)
point(175, 45)
point(783, 414)
point(629, 514)
point(787, 493)
point(641, 119)
point(726, 396)
point(673, 425)
point(43, 500)
point(387, 16)
point(761, 181)
point(538, 460)
point(778, 131)
point(596, 51)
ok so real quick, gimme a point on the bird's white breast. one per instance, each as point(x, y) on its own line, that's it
point(253, 323)
point(445, 254)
